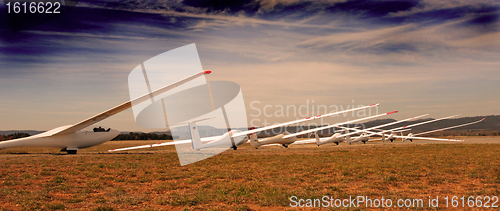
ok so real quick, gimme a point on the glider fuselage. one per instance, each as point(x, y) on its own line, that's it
point(75, 141)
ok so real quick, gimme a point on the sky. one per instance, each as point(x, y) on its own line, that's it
point(418, 57)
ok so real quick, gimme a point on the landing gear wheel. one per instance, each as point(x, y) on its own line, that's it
point(286, 146)
point(364, 142)
point(337, 143)
point(234, 147)
point(71, 152)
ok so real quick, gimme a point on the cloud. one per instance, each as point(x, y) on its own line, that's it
point(426, 6)
point(248, 6)
point(372, 8)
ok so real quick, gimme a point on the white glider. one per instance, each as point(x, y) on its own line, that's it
point(69, 139)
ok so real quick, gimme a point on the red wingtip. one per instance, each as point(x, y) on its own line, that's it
point(207, 71)
point(483, 118)
point(392, 112)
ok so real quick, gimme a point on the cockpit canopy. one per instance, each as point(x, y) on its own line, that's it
point(101, 129)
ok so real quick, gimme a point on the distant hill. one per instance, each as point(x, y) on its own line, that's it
point(31, 132)
point(491, 123)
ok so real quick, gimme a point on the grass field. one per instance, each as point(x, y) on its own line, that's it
point(245, 179)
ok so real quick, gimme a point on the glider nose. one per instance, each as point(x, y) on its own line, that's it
point(114, 133)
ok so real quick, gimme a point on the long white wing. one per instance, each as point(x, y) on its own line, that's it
point(407, 126)
point(470, 123)
point(312, 141)
point(124, 106)
point(306, 141)
point(426, 122)
point(300, 121)
point(414, 137)
point(379, 126)
point(335, 125)
point(188, 141)
point(426, 138)
point(268, 145)
point(378, 139)
point(152, 145)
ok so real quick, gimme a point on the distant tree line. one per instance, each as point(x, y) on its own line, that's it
point(466, 133)
point(13, 136)
point(142, 136)
point(129, 136)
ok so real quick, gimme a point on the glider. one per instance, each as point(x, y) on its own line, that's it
point(70, 139)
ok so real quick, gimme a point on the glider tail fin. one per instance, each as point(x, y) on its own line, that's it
point(348, 140)
point(253, 140)
point(318, 142)
point(195, 136)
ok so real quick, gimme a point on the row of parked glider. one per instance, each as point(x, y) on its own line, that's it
point(70, 138)
point(235, 138)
